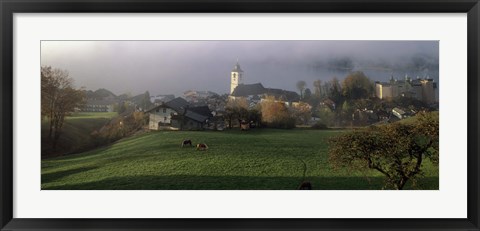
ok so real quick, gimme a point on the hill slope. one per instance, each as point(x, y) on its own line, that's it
point(257, 159)
point(75, 133)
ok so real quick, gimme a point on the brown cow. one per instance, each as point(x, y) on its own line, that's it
point(202, 147)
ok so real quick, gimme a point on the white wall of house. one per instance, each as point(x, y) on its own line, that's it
point(98, 108)
point(160, 115)
point(428, 92)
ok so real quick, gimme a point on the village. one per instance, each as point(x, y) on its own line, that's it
point(264, 123)
point(330, 104)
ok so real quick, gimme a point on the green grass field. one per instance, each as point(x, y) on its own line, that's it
point(76, 132)
point(257, 159)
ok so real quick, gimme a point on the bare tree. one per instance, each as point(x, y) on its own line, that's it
point(301, 86)
point(236, 109)
point(58, 99)
point(317, 84)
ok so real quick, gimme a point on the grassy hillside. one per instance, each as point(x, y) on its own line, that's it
point(76, 132)
point(257, 159)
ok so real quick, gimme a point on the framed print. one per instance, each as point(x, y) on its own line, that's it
point(239, 115)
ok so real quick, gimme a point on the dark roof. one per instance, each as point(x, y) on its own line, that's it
point(399, 110)
point(249, 89)
point(197, 117)
point(280, 93)
point(178, 104)
point(328, 101)
point(237, 68)
point(202, 110)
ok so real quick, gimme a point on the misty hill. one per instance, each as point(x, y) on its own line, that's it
point(418, 63)
point(100, 94)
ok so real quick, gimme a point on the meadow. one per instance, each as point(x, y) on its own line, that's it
point(261, 159)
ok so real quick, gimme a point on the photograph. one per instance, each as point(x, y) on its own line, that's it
point(239, 114)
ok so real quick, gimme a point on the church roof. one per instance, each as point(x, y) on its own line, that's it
point(286, 95)
point(237, 68)
point(249, 89)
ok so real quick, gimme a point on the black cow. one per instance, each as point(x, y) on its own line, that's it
point(186, 142)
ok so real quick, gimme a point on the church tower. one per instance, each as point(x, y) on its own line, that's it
point(236, 77)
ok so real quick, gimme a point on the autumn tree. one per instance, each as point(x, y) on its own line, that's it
point(357, 86)
point(58, 100)
point(396, 150)
point(302, 112)
point(276, 114)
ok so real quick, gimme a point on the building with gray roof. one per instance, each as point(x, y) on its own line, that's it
point(178, 114)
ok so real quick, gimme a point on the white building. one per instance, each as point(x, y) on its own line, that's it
point(421, 89)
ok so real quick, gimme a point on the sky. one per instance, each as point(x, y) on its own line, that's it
point(173, 67)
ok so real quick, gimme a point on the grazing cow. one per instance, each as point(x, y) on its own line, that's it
point(305, 186)
point(202, 147)
point(186, 142)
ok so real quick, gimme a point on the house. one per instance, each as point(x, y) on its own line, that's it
point(399, 113)
point(364, 116)
point(159, 99)
point(329, 103)
point(104, 105)
point(424, 90)
point(178, 114)
point(198, 96)
point(382, 115)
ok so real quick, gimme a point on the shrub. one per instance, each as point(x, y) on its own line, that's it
point(119, 127)
point(319, 125)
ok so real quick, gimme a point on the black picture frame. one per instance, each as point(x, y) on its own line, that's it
point(9, 7)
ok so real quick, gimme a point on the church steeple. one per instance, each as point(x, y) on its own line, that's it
point(236, 77)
